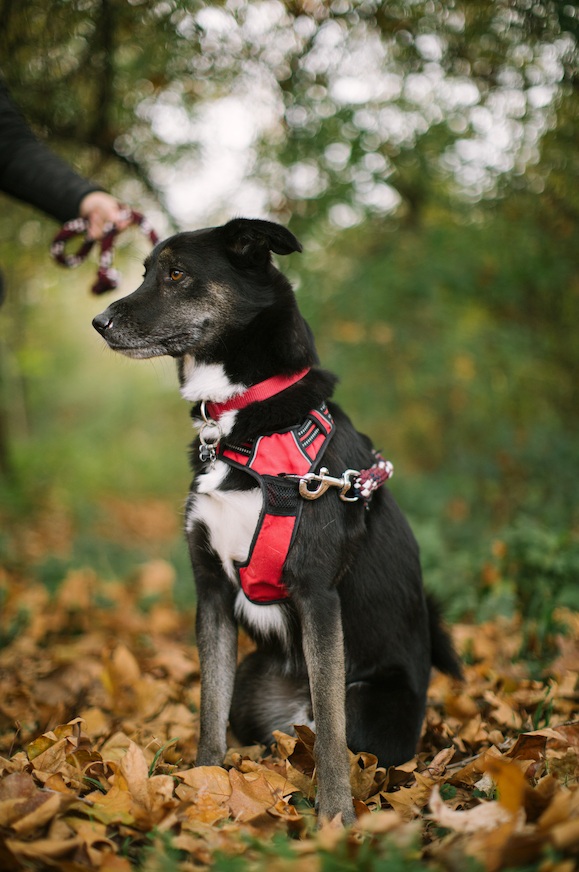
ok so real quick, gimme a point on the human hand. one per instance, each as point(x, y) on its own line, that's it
point(100, 208)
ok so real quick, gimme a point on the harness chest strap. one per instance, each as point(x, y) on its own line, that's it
point(296, 451)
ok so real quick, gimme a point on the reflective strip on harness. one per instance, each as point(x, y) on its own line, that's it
point(296, 451)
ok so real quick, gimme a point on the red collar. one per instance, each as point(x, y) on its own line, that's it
point(255, 394)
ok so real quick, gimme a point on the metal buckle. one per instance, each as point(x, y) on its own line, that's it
point(207, 449)
point(326, 481)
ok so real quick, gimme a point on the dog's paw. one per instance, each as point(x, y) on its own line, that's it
point(334, 814)
point(209, 758)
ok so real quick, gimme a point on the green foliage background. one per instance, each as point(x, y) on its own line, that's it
point(451, 322)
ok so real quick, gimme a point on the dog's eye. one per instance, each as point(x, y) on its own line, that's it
point(175, 275)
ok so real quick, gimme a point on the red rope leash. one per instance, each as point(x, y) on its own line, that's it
point(361, 484)
point(107, 277)
point(371, 479)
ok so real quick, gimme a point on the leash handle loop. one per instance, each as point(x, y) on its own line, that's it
point(107, 277)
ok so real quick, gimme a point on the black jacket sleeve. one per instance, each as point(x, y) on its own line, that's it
point(31, 172)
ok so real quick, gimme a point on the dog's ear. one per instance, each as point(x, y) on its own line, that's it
point(252, 239)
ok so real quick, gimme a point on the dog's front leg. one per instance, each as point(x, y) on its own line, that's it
point(216, 630)
point(217, 646)
point(323, 646)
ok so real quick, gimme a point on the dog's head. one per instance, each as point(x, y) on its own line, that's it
point(199, 290)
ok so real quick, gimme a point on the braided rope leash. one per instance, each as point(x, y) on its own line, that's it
point(362, 483)
point(107, 277)
point(371, 479)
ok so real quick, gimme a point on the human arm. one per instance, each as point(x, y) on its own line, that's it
point(32, 173)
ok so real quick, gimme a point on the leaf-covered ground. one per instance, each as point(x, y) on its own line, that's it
point(99, 690)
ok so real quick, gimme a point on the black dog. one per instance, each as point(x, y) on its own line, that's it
point(347, 639)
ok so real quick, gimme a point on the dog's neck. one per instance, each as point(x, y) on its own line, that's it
point(202, 382)
point(263, 390)
point(206, 381)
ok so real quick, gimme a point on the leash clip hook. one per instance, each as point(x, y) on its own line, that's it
point(208, 446)
point(326, 481)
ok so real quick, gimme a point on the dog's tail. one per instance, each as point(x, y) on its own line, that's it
point(444, 655)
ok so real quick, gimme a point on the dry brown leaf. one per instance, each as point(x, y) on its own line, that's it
point(409, 801)
point(113, 807)
point(379, 822)
point(110, 862)
point(362, 771)
point(133, 768)
point(504, 847)
point(472, 771)
point(529, 746)
point(304, 783)
point(43, 850)
point(462, 706)
point(503, 711)
point(93, 838)
point(399, 775)
point(510, 782)
point(205, 808)
point(251, 753)
point(565, 836)
point(539, 798)
point(564, 767)
point(249, 799)
point(57, 783)
point(568, 733)
point(16, 764)
point(97, 722)
point(564, 805)
point(212, 779)
point(483, 817)
point(23, 807)
point(120, 678)
point(17, 785)
point(440, 761)
point(285, 812)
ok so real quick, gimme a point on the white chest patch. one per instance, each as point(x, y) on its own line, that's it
point(207, 381)
point(230, 517)
point(263, 620)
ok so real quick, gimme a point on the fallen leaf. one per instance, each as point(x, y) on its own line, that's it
point(212, 779)
point(204, 808)
point(113, 807)
point(510, 782)
point(285, 744)
point(486, 816)
point(362, 771)
point(43, 850)
point(249, 799)
point(529, 746)
point(23, 806)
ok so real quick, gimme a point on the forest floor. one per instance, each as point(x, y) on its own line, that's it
point(99, 694)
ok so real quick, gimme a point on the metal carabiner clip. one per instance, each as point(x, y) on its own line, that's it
point(209, 443)
point(326, 481)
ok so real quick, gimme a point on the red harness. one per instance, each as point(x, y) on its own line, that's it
point(296, 451)
point(283, 465)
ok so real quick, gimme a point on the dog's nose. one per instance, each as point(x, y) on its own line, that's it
point(101, 322)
